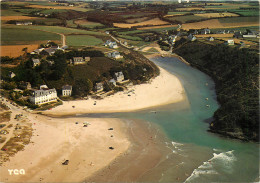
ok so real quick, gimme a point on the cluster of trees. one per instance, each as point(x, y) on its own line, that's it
point(235, 72)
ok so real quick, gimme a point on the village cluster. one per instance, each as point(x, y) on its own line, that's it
point(45, 95)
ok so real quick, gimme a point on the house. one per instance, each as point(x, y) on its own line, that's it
point(43, 96)
point(119, 76)
point(192, 37)
point(79, 60)
point(50, 51)
point(11, 75)
point(43, 87)
point(66, 90)
point(205, 31)
point(211, 39)
point(115, 55)
point(36, 62)
point(221, 32)
point(230, 42)
point(23, 23)
point(111, 44)
point(50, 62)
point(37, 51)
point(250, 35)
point(25, 85)
point(107, 32)
point(237, 34)
point(173, 39)
point(112, 81)
point(64, 47)
point(99, 87)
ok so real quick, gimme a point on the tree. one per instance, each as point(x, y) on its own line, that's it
point(82, 87)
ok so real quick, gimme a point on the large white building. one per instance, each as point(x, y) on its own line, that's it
point(43, 96)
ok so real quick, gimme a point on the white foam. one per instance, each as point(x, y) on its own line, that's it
point(175, 144)
point(225, 161)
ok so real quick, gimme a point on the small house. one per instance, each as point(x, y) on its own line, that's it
point(192, 37)
point(113, 45)
point(211, 39)
point(205, 31)
point(11, 75)
point(119, 76)
point(36, 62)
point(37, 51)
point(238, 34)
point(112, 81)
point(79, 60)
point(230, 42)
point(66, 90)
point(115, 55)
point(250, 35)
point(99, 87)
point(50, 51)
point(25, 85)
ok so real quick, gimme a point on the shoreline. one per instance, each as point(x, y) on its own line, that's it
point(161, 90)
point(88, 150)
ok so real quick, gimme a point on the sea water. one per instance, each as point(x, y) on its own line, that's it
point(197, 155)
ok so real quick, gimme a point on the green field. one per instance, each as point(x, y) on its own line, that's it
point(70, 23)
point(239, 20)
point(184, 19)
point(131, 32)
point(57, 29)
point(246, 12)
point(243, 29)
point(50, 11)
point(12, 36)
point(10, 13)
point(162, 29)
point(178, 12)
point(134, 38)
point(82, 40)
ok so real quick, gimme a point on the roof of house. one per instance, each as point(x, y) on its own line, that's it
point(36, 61)
point(41, 92)
point(118, 74)
point(50, 50)
point(78, 59)
point(112, 81)
point(67, 87)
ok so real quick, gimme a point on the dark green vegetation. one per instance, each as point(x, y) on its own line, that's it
point(11, 36)
point(235, 72)
point(82, 77)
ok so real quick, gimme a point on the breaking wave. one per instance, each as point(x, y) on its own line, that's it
point(220, 162)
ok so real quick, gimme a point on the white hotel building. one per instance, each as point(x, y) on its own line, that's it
point(43, 96)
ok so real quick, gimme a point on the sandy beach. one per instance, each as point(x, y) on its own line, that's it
point(164, 89)
point(56, 139)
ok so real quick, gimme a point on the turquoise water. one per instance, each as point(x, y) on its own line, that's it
point(196, 155)
point(208, 157)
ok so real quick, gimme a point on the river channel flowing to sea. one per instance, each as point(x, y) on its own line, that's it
point(196, 154)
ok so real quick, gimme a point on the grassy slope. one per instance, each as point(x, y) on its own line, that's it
point(82, 40)
point(12, 36)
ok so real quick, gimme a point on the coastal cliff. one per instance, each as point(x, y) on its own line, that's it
point(235, 72)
